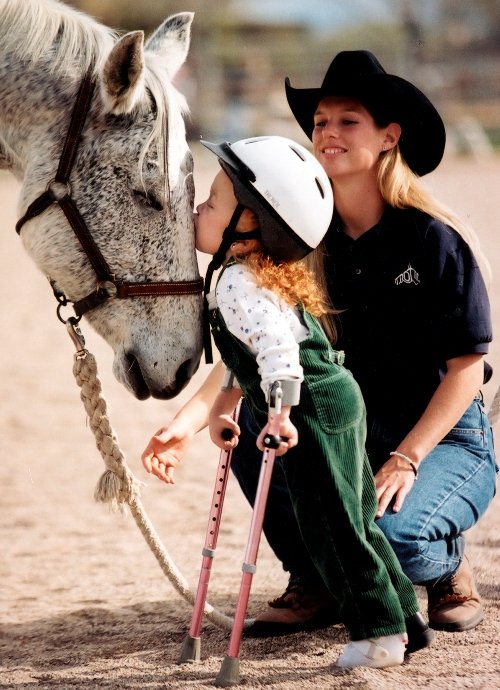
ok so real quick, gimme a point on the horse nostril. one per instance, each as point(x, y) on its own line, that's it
point(184, 373)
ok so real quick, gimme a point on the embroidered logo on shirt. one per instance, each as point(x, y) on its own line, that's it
point(408, 276)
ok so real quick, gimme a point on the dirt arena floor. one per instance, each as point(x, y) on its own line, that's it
point(84, 604)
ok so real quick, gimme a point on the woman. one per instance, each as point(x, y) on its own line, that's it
point(414, 326)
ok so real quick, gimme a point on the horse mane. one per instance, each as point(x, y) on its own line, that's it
point(34, 29)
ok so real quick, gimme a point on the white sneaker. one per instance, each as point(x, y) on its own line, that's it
point(377, 652)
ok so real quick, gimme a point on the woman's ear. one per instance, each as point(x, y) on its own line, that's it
point(392, 135)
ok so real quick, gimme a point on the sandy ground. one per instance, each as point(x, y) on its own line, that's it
point(84, 604)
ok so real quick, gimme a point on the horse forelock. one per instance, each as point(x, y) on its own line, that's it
point(171, 107)
point(35, 29)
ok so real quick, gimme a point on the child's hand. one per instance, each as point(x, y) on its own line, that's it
point(166, 449)
point(224, 431)
point(287, 431)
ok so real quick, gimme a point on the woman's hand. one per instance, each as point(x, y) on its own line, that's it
point(394, 480)
point(167, 448)
point(287, 431)
point(463, 378)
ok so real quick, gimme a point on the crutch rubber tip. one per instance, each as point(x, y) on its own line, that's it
point(190, 651)
point(229, 673)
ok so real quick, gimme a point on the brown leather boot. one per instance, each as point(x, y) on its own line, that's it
point(454, 605)
point(300, 607)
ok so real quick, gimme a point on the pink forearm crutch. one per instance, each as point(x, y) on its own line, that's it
point(229, 673)
point(190, 650)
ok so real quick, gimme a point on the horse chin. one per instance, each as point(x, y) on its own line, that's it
point(130, 374)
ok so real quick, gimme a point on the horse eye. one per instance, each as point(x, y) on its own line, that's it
point(148, 200)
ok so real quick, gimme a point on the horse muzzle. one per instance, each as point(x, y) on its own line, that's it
point(143, 385)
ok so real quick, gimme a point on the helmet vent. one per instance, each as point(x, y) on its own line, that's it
point(320, 187)
point(298, 153)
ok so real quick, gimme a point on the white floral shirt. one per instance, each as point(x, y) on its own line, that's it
point(265, 323)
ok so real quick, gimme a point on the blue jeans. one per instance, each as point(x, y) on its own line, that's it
point(455, 486)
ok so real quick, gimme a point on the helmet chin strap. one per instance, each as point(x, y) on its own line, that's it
point(228, 237)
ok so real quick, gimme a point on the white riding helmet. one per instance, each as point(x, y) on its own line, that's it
point(285, 186)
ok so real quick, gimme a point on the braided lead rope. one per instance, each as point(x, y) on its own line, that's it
point(118, 485)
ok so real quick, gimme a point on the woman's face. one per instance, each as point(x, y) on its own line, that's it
point(214, 214)
point(346, 140)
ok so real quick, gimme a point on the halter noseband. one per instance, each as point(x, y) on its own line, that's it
point(59, 191)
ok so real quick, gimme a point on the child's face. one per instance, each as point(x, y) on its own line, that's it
point(214, 214)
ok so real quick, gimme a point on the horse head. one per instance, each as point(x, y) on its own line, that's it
point(131, 180)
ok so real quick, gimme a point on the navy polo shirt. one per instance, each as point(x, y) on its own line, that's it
point(412, 296)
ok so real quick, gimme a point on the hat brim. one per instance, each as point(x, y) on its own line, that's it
point(388, 98)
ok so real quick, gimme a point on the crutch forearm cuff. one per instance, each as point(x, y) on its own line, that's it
point(290, 391)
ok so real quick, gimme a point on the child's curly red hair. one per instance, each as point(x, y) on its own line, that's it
point(292, 281)
point(296, 282)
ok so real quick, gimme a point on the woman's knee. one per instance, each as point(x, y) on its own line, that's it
point(406, 542)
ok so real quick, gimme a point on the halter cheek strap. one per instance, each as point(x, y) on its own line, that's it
point(229, 235)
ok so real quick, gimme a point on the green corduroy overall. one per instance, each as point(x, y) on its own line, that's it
point(331, 484)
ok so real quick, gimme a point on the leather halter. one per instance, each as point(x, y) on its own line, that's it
point(58, 191)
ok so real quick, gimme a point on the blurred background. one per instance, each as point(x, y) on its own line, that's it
point(242, 50)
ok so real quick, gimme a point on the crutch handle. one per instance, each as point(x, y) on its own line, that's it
point(273, 441)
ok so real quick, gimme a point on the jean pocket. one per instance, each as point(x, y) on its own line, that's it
point(465, 436)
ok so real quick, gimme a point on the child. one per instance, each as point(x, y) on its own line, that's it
point(270, 206)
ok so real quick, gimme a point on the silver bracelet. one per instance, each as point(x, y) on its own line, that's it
point(408, 460)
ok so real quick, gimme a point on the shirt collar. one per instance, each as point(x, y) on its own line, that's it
point(336, 227)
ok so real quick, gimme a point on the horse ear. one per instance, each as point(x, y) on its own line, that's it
point(122, 84)
point(170, 41)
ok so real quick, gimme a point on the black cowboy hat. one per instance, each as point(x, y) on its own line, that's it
point(388, 98)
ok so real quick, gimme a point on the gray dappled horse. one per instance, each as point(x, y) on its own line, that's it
point(130, 185)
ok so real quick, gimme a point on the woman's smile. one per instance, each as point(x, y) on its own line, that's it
point(333, 150)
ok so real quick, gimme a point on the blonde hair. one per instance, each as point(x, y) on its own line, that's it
point(295, 282)
point(315, 263)
point(400, 188)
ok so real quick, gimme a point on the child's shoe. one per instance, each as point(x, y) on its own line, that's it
point(377, 652)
